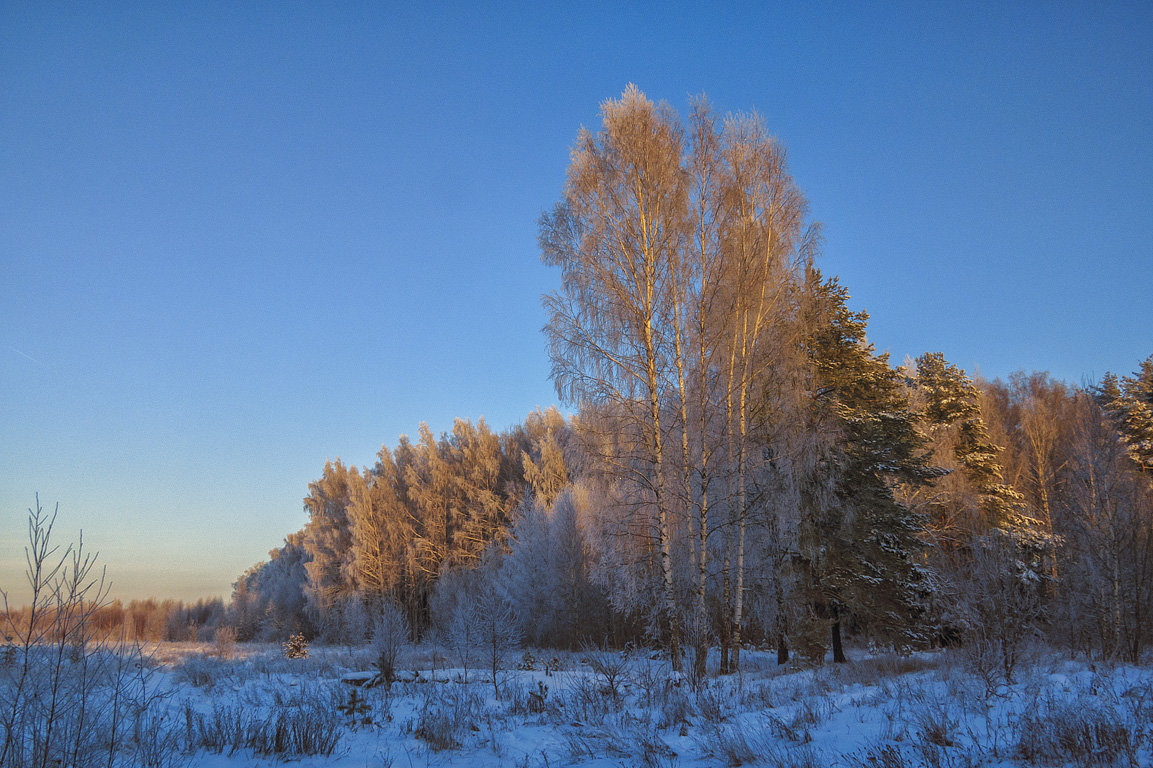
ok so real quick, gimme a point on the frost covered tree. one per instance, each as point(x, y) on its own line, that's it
point(765, 248)
point(860, 548)
point(545, 470)
point(354, 620)
point(1110, 536)
point(616, 236)
point(1069, 457)
point(381, 527)
point(497, 629)
point(546, 574)
point(679, 252)
point(978, 521)
point(485, 509)
point(327, 538)
point(528, 574)
point(976, 497)
point(269, 600)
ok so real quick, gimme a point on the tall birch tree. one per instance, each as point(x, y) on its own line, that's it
point(617, 236)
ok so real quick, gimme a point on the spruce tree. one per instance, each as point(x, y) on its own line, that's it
point(994, 552)
point(1129, 403)
point(952, 402)
point(860, 546)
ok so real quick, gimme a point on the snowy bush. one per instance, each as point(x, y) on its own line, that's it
point(390, 634)
point(201, 671)
point(612, 668)
point(304, 728)
point(445, 716)
point(1084, 733)
point(224, 642)
point(587, 701)
point(623, 737)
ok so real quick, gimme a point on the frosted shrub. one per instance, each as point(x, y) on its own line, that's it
point(675, 709)
point(1001, 609)
point(436, 728)
point(713, 705)
point(729, 744)
point(879, 756)
point(445, 717)
point(587, 701)
point(390, 634)
point(201, 671)
point(621, 737)
point(224, 642)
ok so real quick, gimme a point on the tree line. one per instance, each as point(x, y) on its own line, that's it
point(742, 466)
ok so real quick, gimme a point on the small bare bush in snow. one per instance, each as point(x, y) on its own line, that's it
point(612, 668)
point(445, 716)
point(201, 671)
point(587, 701)
point(621, 737)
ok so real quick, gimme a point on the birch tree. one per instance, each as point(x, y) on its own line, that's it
point(680, 255)
point(617, 235)
point(765, 247)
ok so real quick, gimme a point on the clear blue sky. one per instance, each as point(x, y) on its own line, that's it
point(237, 239)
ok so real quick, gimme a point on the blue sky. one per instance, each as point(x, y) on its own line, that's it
point(238, 239)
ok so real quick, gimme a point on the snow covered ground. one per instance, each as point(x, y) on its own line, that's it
point(618, 709)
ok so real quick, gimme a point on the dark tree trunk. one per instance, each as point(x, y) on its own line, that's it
point(782, 649)
point(838, 650)
point(700, 660)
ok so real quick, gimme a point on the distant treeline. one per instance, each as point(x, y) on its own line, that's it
point(148, 620)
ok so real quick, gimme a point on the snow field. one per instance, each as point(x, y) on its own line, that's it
point(609, 708)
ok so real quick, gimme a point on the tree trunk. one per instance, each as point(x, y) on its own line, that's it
point(838, 649)
point(725, 604)
point(782, 650)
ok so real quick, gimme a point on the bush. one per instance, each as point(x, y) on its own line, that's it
point(612, 668)
point(445, 716)
point(390, 634)
point(1068, 732)
point(201, 671)
point(296, 647)
point(224, 642)
point(289, 731)
point(729, 744)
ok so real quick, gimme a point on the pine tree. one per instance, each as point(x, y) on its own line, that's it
point(861, 547)
point(994, 551)
point(1129, 404)
point(952, 403)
